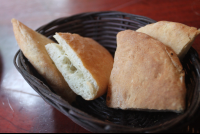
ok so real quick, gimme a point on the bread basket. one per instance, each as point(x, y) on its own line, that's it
point(94, 115)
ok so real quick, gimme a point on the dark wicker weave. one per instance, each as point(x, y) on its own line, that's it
point(95, 116)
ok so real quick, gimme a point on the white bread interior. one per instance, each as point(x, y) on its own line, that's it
point(71, 67)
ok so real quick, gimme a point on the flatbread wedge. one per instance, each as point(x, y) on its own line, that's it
point(146, 75)
point(177, 36)
point(32, 44)
point(84, 63)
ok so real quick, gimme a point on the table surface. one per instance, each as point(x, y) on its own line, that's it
point(22, 109)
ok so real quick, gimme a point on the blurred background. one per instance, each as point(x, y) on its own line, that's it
point(22, 109)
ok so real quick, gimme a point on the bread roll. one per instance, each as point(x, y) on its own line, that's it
point(32, 45)
point(84, 63)
point(177, 36)
point(146, 75)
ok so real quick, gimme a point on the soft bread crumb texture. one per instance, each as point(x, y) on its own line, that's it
point(78, 78)
point(177, 36)
point(32, 45)
point(146, 75)
point(85, 64)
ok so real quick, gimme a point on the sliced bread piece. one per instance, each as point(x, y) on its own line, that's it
point(146, 75)
point(32, 44)
point(177, 36)
point(84, 63)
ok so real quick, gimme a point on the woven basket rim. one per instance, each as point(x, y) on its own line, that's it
point(72, 109)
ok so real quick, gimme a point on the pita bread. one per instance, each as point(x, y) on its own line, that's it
point(177, 36)
point(146, 75)
point(32, 45)
point(84, 63)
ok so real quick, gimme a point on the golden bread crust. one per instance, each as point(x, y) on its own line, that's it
point(95, 58)
point(32, 45)
point(177, 36)
point(146, 75)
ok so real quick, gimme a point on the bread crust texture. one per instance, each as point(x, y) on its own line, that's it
point(176, 35)
point(32, 44)
point(146, 75)
point(94, 57)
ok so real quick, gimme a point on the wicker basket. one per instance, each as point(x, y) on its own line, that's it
point(95, 116)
